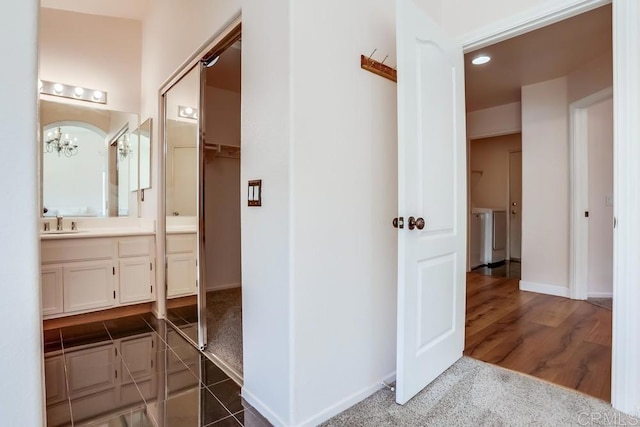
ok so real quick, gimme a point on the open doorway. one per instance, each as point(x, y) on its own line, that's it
point(525, 321)
point(221, 193)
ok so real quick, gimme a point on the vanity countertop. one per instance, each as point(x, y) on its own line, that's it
point(97, 232)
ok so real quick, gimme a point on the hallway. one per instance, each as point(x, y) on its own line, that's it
point(564, 341)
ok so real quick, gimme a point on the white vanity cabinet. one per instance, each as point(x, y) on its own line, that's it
point(135, 268)
point(52, 291)
point(181, 265)
point(80, 275)
point(88, 285)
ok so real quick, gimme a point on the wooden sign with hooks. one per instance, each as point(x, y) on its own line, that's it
point(366, 63)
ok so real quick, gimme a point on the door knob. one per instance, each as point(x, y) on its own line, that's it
point(416, 223)
point(514, 212)
point(398, 222)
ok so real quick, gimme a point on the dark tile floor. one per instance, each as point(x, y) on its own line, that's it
point(510, 269)
point(137, 371)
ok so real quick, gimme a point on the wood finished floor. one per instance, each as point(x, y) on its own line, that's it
point(560, 340)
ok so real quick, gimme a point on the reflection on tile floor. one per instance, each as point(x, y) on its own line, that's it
point(510, 269)
point(137, 371)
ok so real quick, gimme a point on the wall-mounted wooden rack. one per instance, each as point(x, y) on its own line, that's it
point(366, 63)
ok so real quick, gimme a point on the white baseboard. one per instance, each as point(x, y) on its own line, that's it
point(543, 288)
point(323, 415)
point(600, 295)
point(264, 410)
point(224, 286)
point(346, 403)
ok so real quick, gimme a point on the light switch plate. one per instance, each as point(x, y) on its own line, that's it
point(255, 193)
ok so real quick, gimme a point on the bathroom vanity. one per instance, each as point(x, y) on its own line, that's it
point(95, 270)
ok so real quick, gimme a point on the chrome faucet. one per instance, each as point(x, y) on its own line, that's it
point(59, 223)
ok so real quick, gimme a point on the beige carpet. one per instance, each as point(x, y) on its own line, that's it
point(224, 326)
point(606, 303)
point(474, 393)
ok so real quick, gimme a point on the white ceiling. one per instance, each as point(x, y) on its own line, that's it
point(550, 52)
point(130, 9)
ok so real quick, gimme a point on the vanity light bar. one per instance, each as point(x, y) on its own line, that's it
point(187, 112)
point(73, 92)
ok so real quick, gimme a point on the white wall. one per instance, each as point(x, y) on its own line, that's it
point(21, 368)
point(500, 120)
point(545, 183)
point(223, 117)
point(222, 190)
point(345, 196)
point(222, 222)
point(490, 189)
point(95, 52)
point(600, 270)
point(463, 17)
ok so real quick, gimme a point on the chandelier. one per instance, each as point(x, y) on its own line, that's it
point(61, 144)
point(124, 147)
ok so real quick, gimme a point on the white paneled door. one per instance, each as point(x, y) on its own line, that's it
point(431, 201)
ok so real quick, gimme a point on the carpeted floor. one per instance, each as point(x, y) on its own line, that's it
point(606, 303)
point(474, 393)
point(224, 326)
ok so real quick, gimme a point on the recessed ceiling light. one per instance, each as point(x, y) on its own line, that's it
point(481, 59)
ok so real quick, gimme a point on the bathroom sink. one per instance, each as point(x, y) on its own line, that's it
point(61, 232)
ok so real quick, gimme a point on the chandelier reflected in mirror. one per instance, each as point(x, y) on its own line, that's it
point(124, 147)
point(60, 143)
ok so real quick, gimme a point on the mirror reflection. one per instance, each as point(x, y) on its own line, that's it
point(181, 175)
point(144, 136)
point(89, 161)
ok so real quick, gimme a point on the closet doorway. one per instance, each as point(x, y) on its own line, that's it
point(221, 238)
point(201, 107)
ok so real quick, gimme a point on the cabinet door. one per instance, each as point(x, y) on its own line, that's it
point(181, 275)
point(88, 285)
point(91, 370)
point(55, 383)
point(136, 280)
point(52, 293)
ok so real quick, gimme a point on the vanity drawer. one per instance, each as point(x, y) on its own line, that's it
point(135, 246)
point(181, 244)
point(76, 250)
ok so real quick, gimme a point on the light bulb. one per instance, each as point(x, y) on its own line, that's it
point(58, 88)
point(40, 85)
point(97, 94)
point(482, 59)
point(78, 91)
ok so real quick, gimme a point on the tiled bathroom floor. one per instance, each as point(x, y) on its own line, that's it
point(137, 371)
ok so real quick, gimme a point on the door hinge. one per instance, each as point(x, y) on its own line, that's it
point(114, 294)
point(586, 214)
point(151, 288)
point(114, 270)
point(116, 351)
point(116, 373)
point(151, 363)
point(150, 266)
